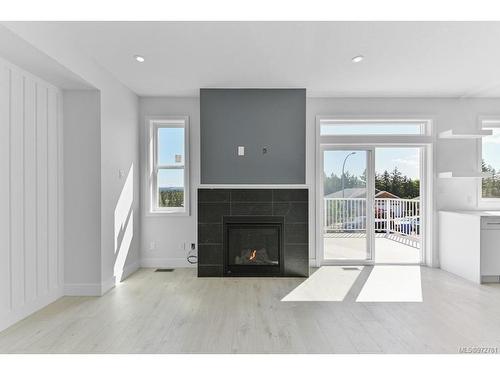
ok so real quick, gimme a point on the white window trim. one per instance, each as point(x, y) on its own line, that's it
point(485, 123)
point(425, 123)
point(152, 125)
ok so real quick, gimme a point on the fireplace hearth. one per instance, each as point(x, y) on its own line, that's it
point(253, 245)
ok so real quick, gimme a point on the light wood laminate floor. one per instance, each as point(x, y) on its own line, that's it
point(180, 313)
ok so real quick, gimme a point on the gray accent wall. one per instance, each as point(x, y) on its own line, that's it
point(256, 119)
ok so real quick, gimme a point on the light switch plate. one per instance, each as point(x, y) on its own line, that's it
point(241, 150)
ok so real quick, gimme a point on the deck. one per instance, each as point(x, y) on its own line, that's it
point(389, 248)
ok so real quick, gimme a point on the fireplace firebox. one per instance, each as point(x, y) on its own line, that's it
point(253, 245)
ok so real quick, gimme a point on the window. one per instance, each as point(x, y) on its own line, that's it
point(490, 160)
point(372, 127)
point(169, 165)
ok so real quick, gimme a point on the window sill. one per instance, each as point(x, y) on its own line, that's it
point(167, 214)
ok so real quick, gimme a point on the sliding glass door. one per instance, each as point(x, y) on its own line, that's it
point(370, 204)
point(347, 190)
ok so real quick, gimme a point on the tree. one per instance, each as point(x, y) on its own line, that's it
point(397, 184)
point(394, 183)
point(382, 181)
point(333, 182)
point(490, 186)
point(171, 198)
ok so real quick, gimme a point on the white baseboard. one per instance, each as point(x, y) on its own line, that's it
point(15, 316)
point(130, 269)
point(89, 290)
point(96, 289)
point(83, 290)
point(107, 285)
point(166, 263)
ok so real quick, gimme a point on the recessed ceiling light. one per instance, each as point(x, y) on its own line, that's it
point(139, 58)
point(357, 59)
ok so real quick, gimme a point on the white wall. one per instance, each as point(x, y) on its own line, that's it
point(82, 175)
point(120, 237)
point(460, 114)
point(119, 148)
point(170, 234)
point(31, 208)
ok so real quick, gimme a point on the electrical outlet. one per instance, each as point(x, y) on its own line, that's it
point(152, 245)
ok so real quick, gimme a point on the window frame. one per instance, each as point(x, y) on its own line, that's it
point(425, 125)
point(153, 125)
point(485, 123)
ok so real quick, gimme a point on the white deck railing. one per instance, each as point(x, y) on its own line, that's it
point(400, 216)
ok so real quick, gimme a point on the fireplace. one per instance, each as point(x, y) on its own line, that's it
point(253, 245)
point(275, 215)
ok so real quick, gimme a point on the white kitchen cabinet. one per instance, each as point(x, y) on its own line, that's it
point(469, 244)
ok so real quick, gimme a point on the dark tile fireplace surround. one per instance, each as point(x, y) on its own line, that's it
point(253, 232)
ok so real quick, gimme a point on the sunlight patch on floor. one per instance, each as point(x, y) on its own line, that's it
point(329, 283)
point(392, 284)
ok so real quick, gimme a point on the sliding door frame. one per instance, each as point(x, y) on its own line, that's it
point(424, 142)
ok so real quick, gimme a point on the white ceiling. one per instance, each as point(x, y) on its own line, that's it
point(445, 59)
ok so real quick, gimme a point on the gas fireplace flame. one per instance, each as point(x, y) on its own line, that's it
point(253, 255)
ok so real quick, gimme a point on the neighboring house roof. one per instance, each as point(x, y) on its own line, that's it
point(348, 193)
point(360, 193)
point(385, 194)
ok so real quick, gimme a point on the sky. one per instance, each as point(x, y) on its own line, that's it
point(406, 159)
point(491, 149)
point(170, 144)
